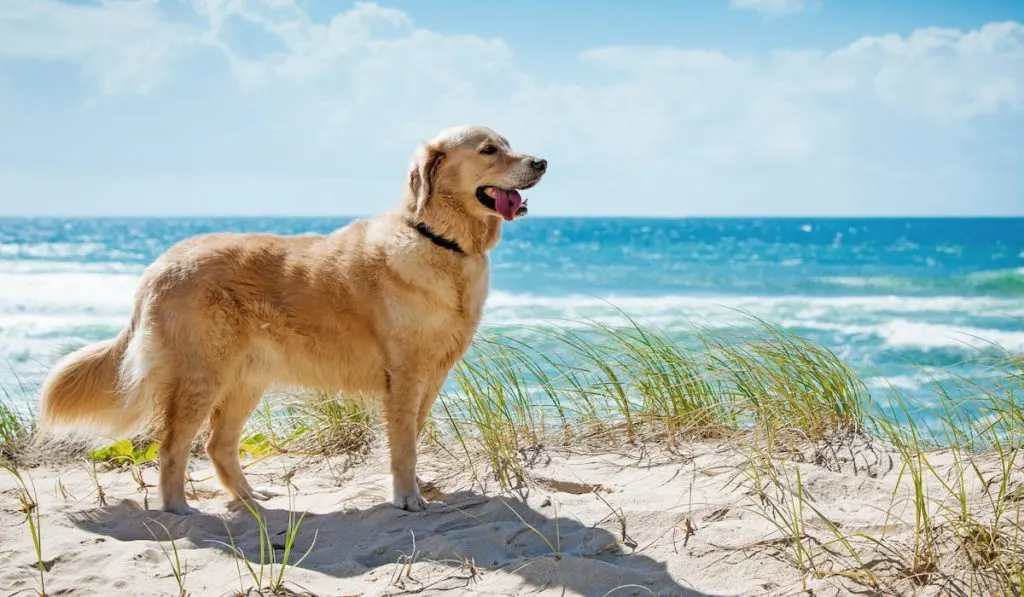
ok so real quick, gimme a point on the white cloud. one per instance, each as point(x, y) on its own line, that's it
point(671, 130)
point(946, 73)
point(126, 45)
point(775, 7)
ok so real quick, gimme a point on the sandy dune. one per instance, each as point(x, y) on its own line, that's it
point(686, 523)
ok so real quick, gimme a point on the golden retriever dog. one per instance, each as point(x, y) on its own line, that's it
point(383, 307)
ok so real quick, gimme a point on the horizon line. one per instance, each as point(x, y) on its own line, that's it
point(940, 216)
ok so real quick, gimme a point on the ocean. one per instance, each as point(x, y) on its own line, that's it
point(905, 302)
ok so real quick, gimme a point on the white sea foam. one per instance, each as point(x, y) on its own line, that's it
point(894, 321)
point(84, 293)
point(901, 333)
point(826, 313)
point(868, 304)
point(896, 382)
point(59, 250)
point(46, 306)
point(43, 266)
point(42, 303)
point(1010, 280)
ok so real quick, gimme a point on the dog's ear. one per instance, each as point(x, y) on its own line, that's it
point(422, 175)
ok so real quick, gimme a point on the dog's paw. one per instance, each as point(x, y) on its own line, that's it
point(263, 494)
point(413, 502)
point(181, 509)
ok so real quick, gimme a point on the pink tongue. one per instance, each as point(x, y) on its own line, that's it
point(506, 203)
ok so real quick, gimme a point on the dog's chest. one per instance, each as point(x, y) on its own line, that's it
point(440, 299)
point(463, 294)
point(476, 294)
point(439, 314)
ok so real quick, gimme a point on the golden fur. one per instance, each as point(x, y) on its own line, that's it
point(374, 309)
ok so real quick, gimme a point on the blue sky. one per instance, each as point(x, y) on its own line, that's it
point(694, 107)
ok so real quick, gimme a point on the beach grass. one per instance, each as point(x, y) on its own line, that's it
point(17, 426)
point(28, 500)
point(781, 400)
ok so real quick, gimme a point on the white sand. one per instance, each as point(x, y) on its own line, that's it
point(562, 540)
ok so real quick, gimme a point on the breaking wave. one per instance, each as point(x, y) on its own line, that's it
point(1006, 282)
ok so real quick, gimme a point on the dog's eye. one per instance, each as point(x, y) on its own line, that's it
point(489, 149)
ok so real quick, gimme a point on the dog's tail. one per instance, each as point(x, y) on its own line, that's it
point(85, 391)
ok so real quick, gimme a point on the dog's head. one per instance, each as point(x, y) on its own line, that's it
point(475, 169)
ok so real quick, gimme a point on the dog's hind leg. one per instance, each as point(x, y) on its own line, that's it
point(186, 402)
point(226, 423)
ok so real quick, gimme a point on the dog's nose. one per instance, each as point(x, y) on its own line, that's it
point(541, 165)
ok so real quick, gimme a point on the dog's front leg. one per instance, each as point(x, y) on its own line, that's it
point(401, 414)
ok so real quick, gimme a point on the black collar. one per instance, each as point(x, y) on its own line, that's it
point(436, 239)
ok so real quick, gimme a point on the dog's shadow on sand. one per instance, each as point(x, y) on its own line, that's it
point(464, 538)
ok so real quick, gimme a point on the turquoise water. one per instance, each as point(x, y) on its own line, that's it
point(901, 300)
